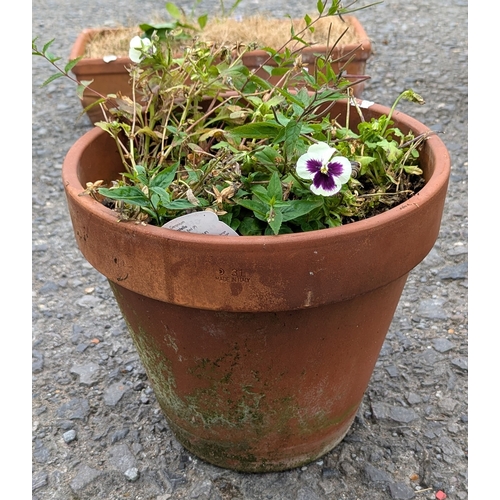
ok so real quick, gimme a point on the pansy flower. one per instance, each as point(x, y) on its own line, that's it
point(137, 48)
point(327, 171)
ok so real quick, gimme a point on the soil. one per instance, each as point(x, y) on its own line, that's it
point(97, 430)
point(258, 29)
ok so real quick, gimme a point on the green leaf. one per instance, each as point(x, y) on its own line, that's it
point(47, 45)
point(412, 170)
point(264, 84)
point(257, 130)
point(274, 189)
point(268, 157)
point(71, 64)
point(149, 28)
point(179, 205)
point(141, 174)
point(128, 194)
point(278, 70)
point(261, 193)
point(202, 21)
point(80, 89)
point(250, 227)
point(162, 194)
point(292, 133)
point(334, 7)
point(52, 78)
point(391, 149)
point(173, 10)
point(275, 219)
point(257, 207)
point(298, 208)
point(164, 178)
point(169, 204)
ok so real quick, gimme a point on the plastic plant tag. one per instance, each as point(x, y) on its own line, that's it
point(201, 223)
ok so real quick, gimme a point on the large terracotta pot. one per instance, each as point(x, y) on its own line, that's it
point(259, 348)
point(112, 77)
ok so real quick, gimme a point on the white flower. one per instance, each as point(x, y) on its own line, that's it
point(328, 172)
point(138, 46)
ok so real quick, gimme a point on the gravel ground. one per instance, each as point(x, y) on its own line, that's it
point(98, 432)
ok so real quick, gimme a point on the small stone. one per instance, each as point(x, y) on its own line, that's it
point(132, 474)
point(37, 363)
point(392, 371)
point(40, 453)
point(454, 272)
point(403, 415)
point(89, 301)
point(376, 475)
point(119, 435)
point(432, 309)
point(443, 345)
point(77, 408)
point(401, 491)
point(84, 476)
point(202, 489)
point(88, 373)
point(39, 480)
point(461, 363)
point(48, 287)
point(328, 473)
point(429, 357)
point(347, 469)
point(114, 393)
point(121, 458)
point(447, 405)
point(413, 398)
point(380, 411)
point(69, 436)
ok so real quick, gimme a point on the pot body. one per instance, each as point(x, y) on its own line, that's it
point(260, 391)
point(259, 348)
point(112, 77)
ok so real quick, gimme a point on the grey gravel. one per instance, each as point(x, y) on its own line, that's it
point(410, 433)
point(69, 436)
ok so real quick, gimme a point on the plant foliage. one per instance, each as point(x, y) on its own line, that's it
point(202, 131)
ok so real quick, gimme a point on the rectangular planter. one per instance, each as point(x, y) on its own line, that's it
point(112, 76)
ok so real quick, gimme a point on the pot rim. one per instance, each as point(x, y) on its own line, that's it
point(274, 272)
point(436, 182)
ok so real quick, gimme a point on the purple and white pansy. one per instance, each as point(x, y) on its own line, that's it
point(327, 171)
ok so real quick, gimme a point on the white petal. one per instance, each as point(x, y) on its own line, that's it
point(301, 169)
point(323, 192)
point(321, 150)
point(135, 44)
point(346, 170)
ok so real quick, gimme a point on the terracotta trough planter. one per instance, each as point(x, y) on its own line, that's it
point(112, 77)
point(259, 348)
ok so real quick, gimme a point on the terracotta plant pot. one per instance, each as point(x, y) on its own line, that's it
point(112, 77)
point(259, 348)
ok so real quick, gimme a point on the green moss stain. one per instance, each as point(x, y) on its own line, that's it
point(218, 407)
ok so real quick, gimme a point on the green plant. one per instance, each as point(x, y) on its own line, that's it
point(203, 132)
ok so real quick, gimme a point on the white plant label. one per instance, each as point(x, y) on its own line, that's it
point(361, 103)
point(200, 223)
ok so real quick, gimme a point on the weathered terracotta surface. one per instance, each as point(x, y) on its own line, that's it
point(259, 348)
point(112, 77)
